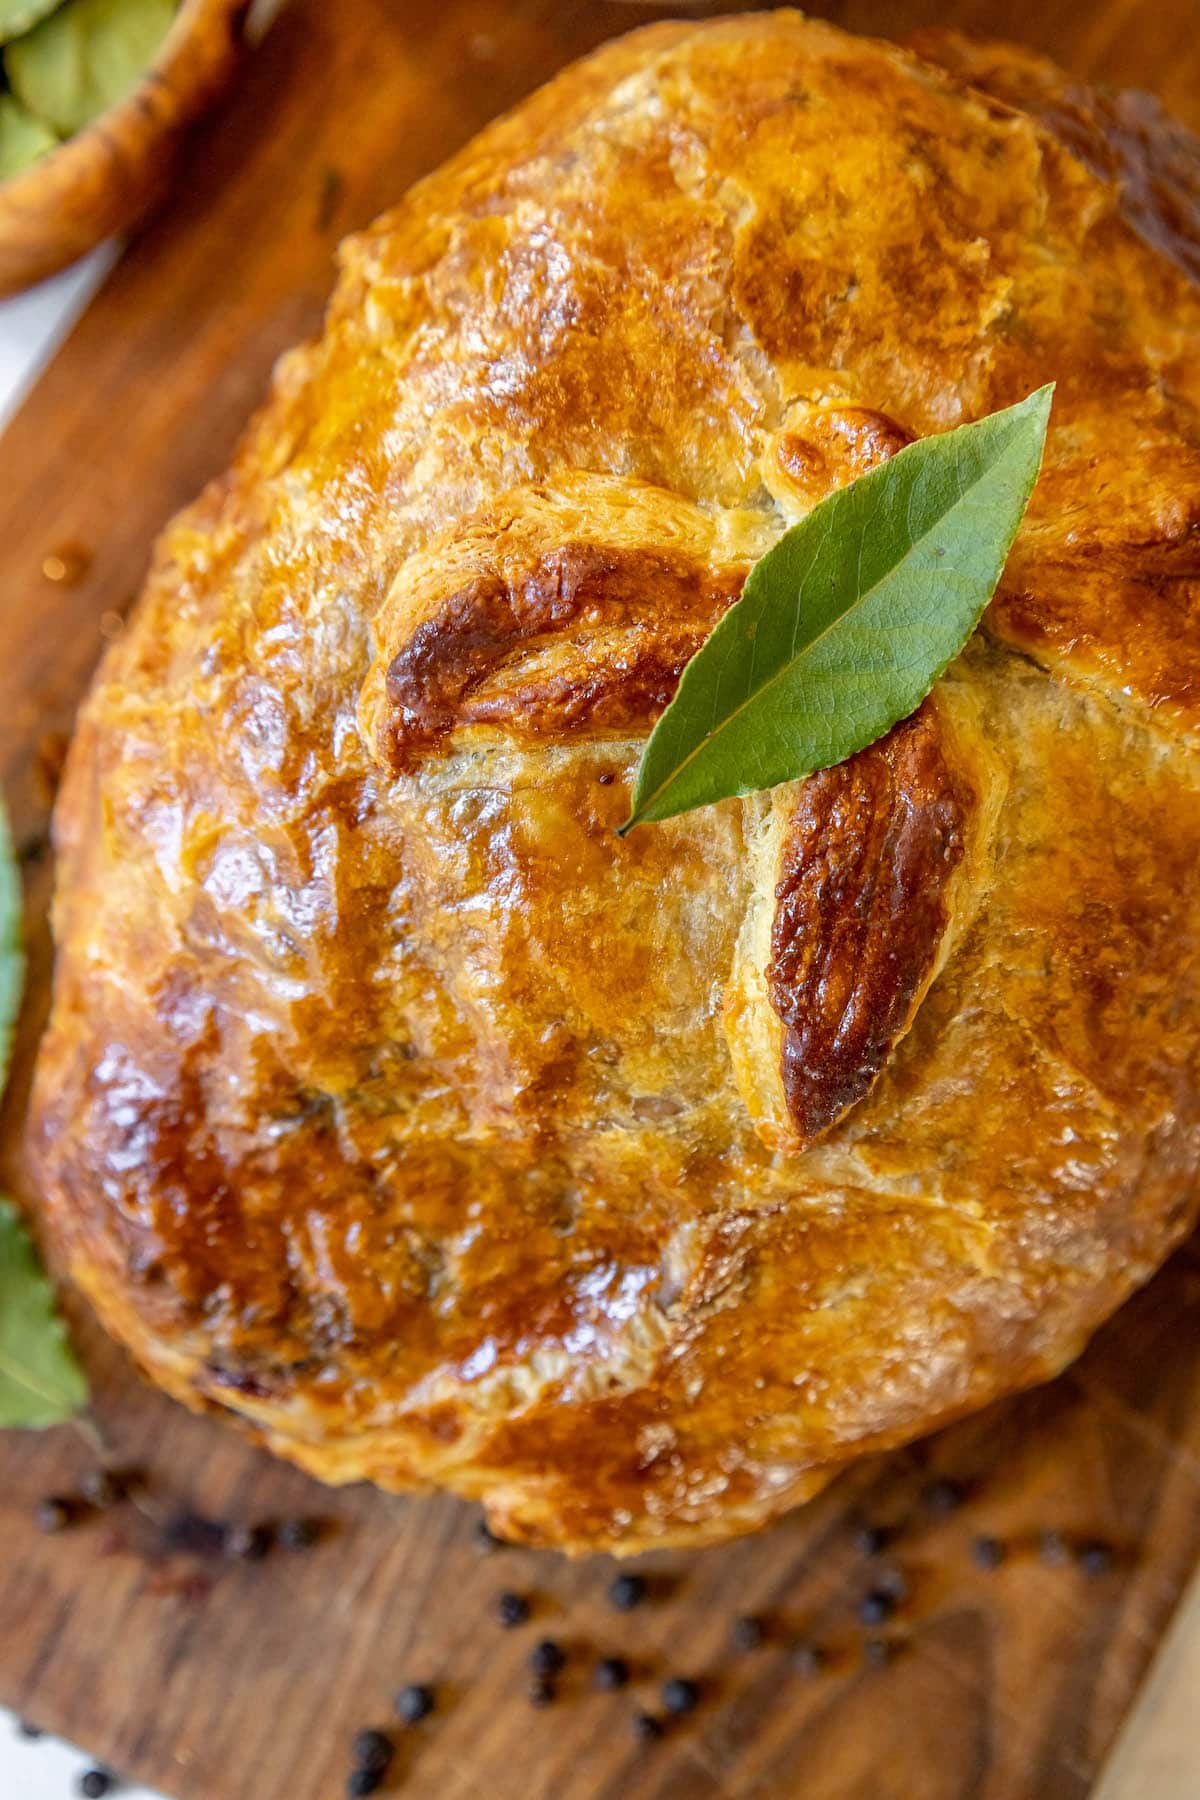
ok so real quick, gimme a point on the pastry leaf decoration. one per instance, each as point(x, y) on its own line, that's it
point(40, 1381)
point(846, 623)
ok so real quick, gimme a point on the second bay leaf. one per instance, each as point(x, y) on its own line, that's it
point(85, 57)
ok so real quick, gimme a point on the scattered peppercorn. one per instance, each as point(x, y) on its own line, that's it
point(680, 1696)
point(809, 1659)
point(943, 1497)
point(1053, 1548)
point(102, 1488)
point(988, 1552)
point(298, 1534)
point(610, 1673)
point(511, 1609)
point(646, 1728)
point(248, 1543)
point(415, 1702)
point(1095, 1557)
point(876, 1608)
point(542, 1691)
point(627, 1591)
point(606, 778)
point(878, 1652)
point(748, 1633)
point(871, 1539)
point(191, 1534)
point(894, 1582)
point(28, 1730)
point(360, 1782)
point(95, 1783)
point(372, 1750)
point(53, 1514)
point(546, 1658)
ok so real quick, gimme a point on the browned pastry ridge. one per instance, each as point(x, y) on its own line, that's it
point(634, 1187)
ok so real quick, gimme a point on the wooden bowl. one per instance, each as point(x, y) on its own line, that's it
point(113, 172)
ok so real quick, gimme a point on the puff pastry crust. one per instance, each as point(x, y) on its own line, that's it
point(393, 1104)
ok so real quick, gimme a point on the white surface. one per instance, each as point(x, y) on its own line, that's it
point(45, 1769)
point(31, 327)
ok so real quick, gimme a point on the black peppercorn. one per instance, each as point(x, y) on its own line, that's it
point(511, 1609)
point(809, 1659)
point(646, 1728)
point(748, 1633)
point(871, 1539)
point(943, 1497)
point(680, 1695)
point(247, 1543)
point(893, 1581)
point(102, 1488)
point(372, 1750)
point(189, 1533)
point(876, 1607)
point(627, 1591)
point(27, 1730)
point(53, 1514)
point(298, 1534)
point(542, 1691)
point(1095, 1557)
point(361, 1782)
point(95, 1783)
point(415, 1702)
point(610, 1673)
point(988, 1552)
point(546, 1658)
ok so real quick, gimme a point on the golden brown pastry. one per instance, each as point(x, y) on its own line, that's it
point(393, 1103)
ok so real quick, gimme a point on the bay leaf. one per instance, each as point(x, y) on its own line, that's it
point(18, 16)
point(846, 623)
point(23, 139)
point(41, 1383)
point(85, 57)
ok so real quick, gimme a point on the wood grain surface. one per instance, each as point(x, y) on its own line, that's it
point(216, 1681)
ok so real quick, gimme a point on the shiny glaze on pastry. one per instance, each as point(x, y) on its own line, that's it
point(394, 1104)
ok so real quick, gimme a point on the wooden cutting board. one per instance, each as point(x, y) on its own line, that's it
point(220, 1682)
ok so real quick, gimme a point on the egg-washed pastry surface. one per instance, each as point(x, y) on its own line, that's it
point(393, 1103)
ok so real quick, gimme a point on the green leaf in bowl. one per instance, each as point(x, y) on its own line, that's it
point(85, 57)
point(19, 16)
point(40, 1381)
point(22, 137)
